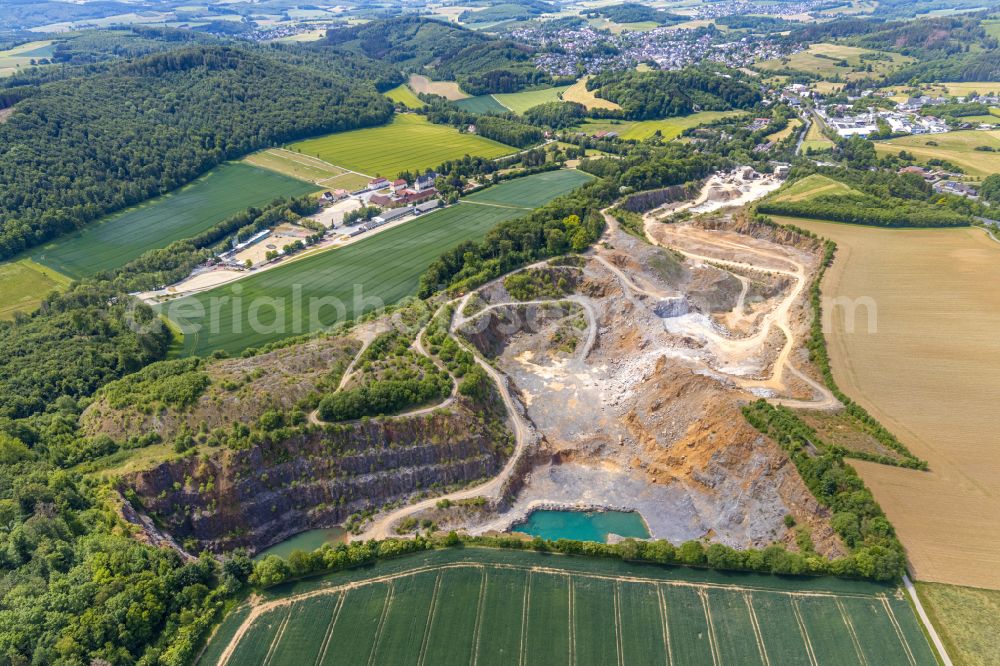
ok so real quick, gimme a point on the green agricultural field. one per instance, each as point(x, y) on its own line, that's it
point(484, 606)
point(481, 104)
point(990, 119)
point(23, 285)
point(21, 56)
point(409, 142)
point(825, 60)
point(384, 268)
point(967, 619)
point(522, 101)
point(402, 94)
point(669, 128)
point(117, 239)
point(811, 186)
point(956, 147)
point(530, 192)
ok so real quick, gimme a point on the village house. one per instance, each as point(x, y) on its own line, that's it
point(424, 182)
point(955, 187)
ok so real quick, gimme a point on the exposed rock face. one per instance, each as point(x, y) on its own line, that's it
point(645, 421)
point(671, 307)
point(491, 332)
point(262, 495)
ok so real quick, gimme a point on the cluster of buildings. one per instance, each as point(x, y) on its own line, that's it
point(866, 123)
point(908, 117)
point(393, 214)
point(572, 50)
point(943, 181)
point(743, 8)
point(401, 193)
point(841, 120)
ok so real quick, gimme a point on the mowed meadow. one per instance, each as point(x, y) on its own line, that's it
point(381, 269)
point(25, 284)
point(115, 240)
point(408, 142)
point(930, 372)
point(669, 128)
point(483, 606)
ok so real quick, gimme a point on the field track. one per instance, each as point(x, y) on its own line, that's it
point(532, 609)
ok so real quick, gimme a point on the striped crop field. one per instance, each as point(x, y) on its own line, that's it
point(117, 239)
point(378, 270)
point(481, 104)
point(402, 94)
point(483, 606)
point(409, 142)
point(522, 101)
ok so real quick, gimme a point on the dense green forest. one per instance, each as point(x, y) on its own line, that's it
point(633, 12)
point(664, 94)
point(868, 210)
point(508, 128)
point(481, 64)
point(82, 147)
point(990, 189)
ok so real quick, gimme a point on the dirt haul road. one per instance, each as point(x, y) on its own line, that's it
point(524, 434)
point(779, 317)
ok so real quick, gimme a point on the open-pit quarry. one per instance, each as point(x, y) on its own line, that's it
point(625, 388)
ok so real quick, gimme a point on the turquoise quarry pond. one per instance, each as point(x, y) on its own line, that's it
point(306, 541)
point(583, 525)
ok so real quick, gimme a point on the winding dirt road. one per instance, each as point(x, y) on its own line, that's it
point(524, 434)
point(779, 317)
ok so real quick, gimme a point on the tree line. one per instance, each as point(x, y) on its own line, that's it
point(508, 128)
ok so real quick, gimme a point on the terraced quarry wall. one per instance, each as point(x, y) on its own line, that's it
point(261, 495)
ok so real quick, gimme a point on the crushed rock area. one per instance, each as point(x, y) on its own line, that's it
point(647, 416)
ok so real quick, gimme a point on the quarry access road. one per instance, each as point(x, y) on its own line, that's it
point(524, 434)
point(417, 346)
point(779, 317)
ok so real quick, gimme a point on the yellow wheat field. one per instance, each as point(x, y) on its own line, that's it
point(931, 374)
